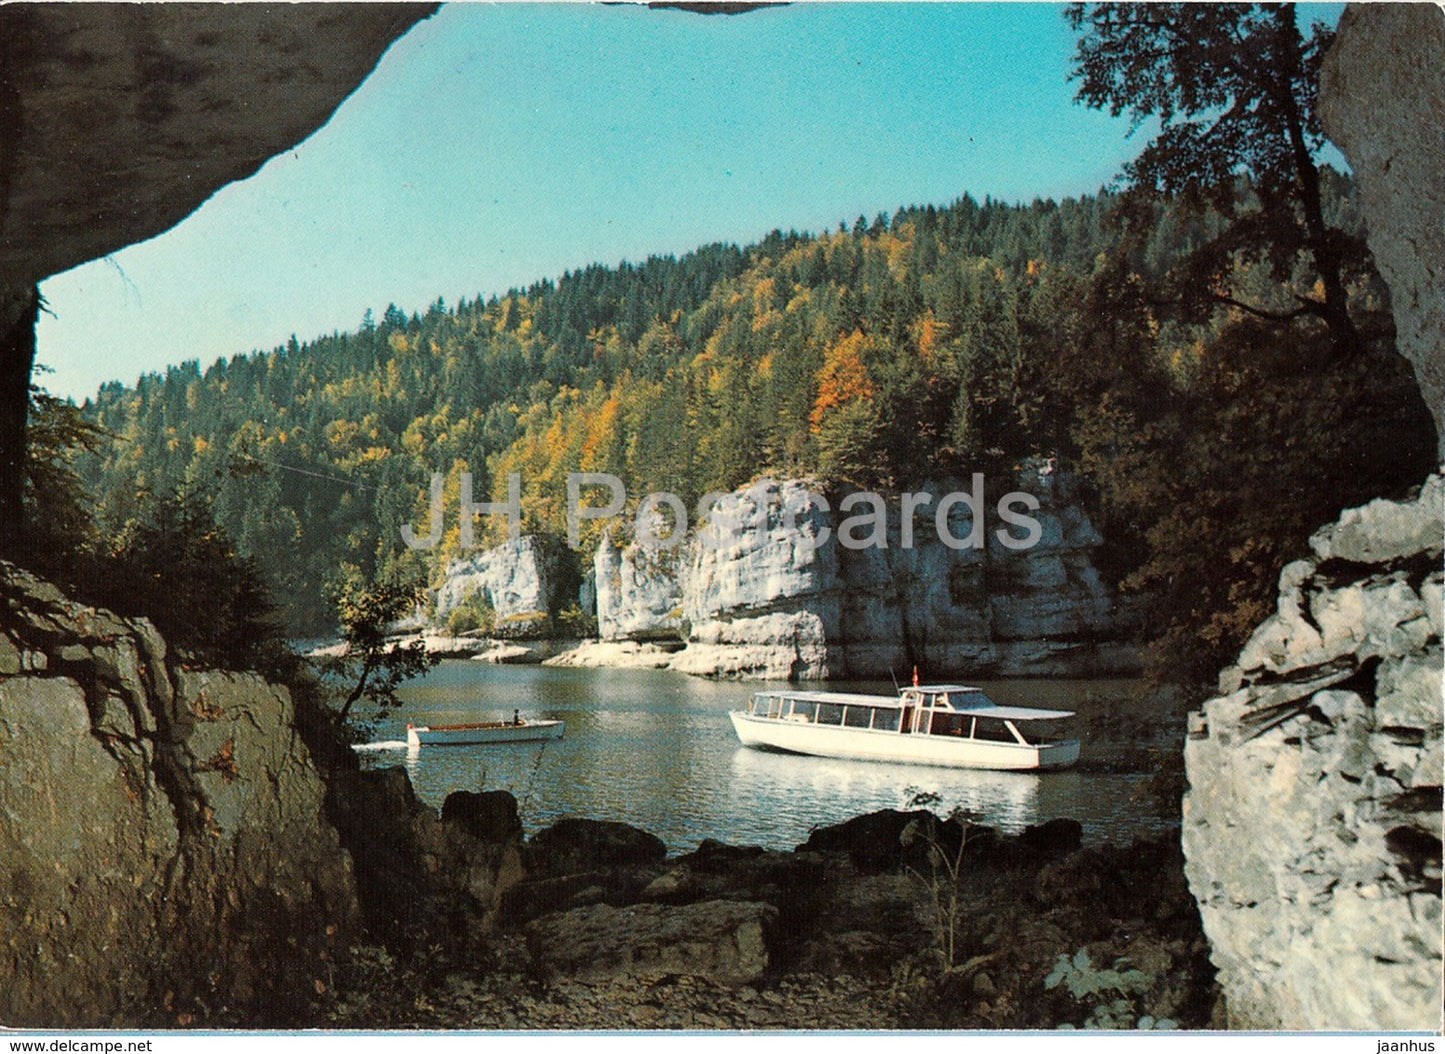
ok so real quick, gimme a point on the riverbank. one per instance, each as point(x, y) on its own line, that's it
point(585, 653)
point(321, 892)
point(779, 597)
point(718, 659)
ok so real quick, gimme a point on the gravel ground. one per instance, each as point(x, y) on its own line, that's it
point(376, 992)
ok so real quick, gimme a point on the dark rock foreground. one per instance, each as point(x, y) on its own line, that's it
point(601, 930)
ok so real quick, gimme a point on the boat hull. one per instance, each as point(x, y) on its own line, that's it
point(489, 732)
point(831, 741)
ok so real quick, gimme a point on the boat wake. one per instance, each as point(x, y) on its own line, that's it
point(384, 744)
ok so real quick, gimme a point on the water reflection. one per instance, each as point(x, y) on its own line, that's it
point(655, 749)
point(804, 791)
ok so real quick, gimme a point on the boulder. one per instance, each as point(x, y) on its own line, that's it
point(1384, 531)
point(573, 846)
point(888, 838)
point(425, 880)
point(1057, 837)
point(723, 941)
point(488, 816)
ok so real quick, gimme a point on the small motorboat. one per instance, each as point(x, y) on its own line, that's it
point(519, 729)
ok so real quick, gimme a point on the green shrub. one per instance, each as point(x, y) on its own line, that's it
point(474, 615)
point(525, 625)
point(572, 621)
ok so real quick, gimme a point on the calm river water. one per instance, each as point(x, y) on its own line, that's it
point(655, 749)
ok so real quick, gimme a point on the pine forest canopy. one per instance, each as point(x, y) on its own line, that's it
point(932, 342)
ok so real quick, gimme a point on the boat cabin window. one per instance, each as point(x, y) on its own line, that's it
point(993, 730)
point(949, 724)
point(830, 714)
point(858, 716)
point(887, 720)
point(802, 710)
point(1047, 731)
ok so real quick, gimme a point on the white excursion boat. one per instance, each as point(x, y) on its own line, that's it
point(942, 724)
point(517, 730)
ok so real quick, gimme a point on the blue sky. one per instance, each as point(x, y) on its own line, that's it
point(497, 144)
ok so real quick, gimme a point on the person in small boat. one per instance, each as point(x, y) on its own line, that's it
point(516, 717)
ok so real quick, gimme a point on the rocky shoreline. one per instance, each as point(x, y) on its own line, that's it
point(593, 925)
point(589, 653)
point(778, 596)
point(207, 817)
point(696, 659)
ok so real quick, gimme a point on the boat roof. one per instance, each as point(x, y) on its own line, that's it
point(1015, 713)
point(873, 700)
point(1003, 713)
point(841, 698)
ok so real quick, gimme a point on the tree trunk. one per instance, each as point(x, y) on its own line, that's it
point(19, 311)
point(367, 666)
point(1319, 238)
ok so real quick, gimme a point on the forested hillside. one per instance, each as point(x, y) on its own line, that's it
point(935, 341)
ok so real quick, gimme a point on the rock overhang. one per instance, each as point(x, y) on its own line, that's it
point(119, 120)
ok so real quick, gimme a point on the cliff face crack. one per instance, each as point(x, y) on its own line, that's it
point(98, 694)
point(112, 661)
point(19, 312)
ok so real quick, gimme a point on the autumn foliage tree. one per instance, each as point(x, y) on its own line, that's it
point(845, 418)
point(1257, 406)
point(1215, 478)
